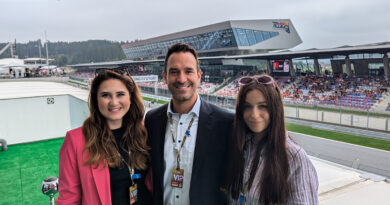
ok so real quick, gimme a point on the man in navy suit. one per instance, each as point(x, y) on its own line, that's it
point(189, 137)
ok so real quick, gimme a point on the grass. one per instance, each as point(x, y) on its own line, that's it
point(158, 101)
point(77, 83)
point(355, 112)
point(24, 167)
point(352, 139)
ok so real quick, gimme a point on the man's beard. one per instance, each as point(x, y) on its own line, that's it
point(181, 98)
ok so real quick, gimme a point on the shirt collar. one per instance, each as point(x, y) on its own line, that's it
point(195, 109)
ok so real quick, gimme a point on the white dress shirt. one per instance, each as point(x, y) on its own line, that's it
point(179, 196)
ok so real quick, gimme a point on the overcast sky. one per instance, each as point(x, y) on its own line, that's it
point(320, 23)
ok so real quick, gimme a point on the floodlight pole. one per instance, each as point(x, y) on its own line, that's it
point(39, 48)
point(47, 52)
point(12, 49)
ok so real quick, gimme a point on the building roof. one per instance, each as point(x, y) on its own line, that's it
point(381, 47)
point(228, 37)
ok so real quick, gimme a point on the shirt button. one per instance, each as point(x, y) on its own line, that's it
point(177, 196)
point(181, 123)
point(179, 141)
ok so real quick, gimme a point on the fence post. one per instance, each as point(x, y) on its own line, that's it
point(322, 116)
point(340, 114)
point(368, 117)
point(351, 120)
point(317, 113)
point(387, 125)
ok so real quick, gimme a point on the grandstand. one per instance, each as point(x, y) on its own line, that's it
point(359, 93)
point(357, 77)
point(331, 91)
point(334, 91)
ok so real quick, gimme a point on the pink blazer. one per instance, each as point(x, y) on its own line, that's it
point(80, 184)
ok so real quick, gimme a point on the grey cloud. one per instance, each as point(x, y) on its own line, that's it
point(320, 23)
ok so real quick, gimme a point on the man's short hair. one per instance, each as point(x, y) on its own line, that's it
point(181, 47)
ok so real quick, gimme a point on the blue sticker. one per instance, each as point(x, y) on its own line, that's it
point(188, 133)
point(136, 176)
point(241, 199)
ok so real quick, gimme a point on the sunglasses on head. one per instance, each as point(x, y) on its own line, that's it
point(116, 70)
point(264, 79)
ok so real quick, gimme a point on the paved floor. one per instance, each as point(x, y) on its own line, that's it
point(338, 184)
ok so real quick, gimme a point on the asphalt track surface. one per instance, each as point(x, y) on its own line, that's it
point(354, 156)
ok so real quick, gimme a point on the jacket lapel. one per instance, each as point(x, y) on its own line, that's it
point(204, 130)
point(159, 141)
point(101, 177)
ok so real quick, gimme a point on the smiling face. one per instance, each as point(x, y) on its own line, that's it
point(113, 101)
point(182, 77)
point(256, 115)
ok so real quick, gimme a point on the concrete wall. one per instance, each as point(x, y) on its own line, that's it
point(39, 118)
point(359, 121)
point(78, 110)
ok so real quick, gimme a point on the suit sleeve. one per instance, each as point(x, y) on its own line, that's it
point(69, 179)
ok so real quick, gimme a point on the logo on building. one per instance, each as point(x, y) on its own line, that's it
point(282, 25)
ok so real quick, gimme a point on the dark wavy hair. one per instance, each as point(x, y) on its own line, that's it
point(99, 140)
point(273, 185)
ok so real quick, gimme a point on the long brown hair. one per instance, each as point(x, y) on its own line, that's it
point(99, 140)
point(273, 185)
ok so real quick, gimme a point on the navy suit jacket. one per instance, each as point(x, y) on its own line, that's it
point(210, 158)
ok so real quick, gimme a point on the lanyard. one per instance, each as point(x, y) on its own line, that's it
point(187, 133)
point(133, 175)
point(248, 165)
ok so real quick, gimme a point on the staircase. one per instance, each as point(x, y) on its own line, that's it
point(226, 83)
point(288, 87)
point(382, 105)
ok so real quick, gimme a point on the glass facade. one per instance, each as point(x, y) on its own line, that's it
point(366, 56)
point(228, 38)
point(249, 37)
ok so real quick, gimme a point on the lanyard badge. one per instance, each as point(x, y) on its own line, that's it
point(177, 178)
point(178, 173)
point(133, 193)
point(133, 189)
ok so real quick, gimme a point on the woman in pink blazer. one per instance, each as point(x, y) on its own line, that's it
point(104, 161)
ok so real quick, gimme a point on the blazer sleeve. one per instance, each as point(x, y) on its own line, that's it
point(69, 184)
